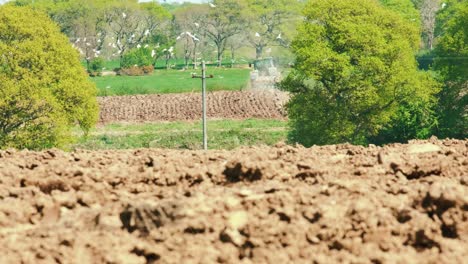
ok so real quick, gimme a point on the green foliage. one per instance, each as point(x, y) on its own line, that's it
point(406, 8)
point(418, 3)
point(452, 47)
point(43, 88)
point(137, 62)
point(155, 10)
point(137, 57)
point(415, 117)
point(452, 63)
point(96, 65)
point(355, 70)
point(65, 13)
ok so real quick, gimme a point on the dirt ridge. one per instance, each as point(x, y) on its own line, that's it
point(267, 104)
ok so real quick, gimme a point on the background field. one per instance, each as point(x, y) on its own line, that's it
point(222, 134)
point(177, 63)
point(172, 81)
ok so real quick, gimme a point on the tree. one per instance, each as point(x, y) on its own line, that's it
point(83, 21)
point(44, 90)
point(88, 31)
point(224, 21)
point(164, 43)
point(191, 21)
point(347, 86)
point(126, 26)
point(429, 9)
point(131, 24)
point(234, 44)
point(99, 27)
point(452, 63)
point(270, 22)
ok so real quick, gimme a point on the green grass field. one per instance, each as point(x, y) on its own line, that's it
point(171, 81)
point(222, 134)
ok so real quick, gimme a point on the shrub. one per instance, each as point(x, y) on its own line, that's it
point(148, 69)
point(131, 71)
point(45, 91)
point(95, 67)
point(137, 57)
point(137, 62)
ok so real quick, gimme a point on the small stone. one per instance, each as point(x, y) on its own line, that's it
point(423, 148)
point(244, 192)
point(67, 199)
point(112, 221)
point(51, 215)
point(337, 158)
point(238, 219)
point(312, 239)
point(232, 236)
point(231, 202)
point(86, 198)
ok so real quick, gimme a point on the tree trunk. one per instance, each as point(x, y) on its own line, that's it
point(186, 60)
point(194, 57)
point(233, 53)
point(233, 56)
point(258, 52)
point(220, 57)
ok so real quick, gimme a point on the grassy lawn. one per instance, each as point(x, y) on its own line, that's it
point(172, 81)
point(222, 134)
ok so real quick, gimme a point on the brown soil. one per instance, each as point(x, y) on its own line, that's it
point(332, 204)
point(188, 106)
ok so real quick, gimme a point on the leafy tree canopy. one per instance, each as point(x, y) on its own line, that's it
point(44, 91)
point(452, 64)
point(452, 44)
point(224, 21)
point(355, 67)
point(406, 8)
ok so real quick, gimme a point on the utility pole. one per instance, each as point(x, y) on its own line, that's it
point(204, 77)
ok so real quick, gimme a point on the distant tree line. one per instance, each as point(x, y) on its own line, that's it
point(111, 28)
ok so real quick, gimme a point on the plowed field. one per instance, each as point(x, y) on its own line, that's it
point(188, 106)
point(283, 204)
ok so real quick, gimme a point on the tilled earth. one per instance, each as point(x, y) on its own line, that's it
point(283, 204)
point(188, 106)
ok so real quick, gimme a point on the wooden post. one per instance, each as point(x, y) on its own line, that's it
point(205, 134)
point(204, 121)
